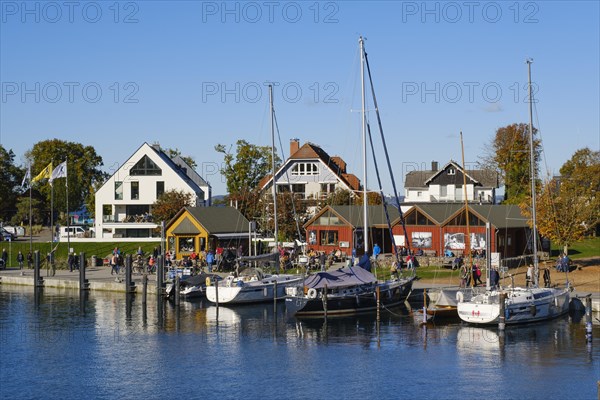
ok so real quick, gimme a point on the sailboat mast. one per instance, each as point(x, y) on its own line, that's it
point(533, 178)
point(274, 189)
point(364, 143)
point(465, 194)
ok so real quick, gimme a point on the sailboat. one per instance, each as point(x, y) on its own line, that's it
point(252, 286)
point(352, 290)
point(520, 305)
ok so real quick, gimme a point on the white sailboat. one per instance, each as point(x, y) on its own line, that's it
point(521, 305)
point(254, 287)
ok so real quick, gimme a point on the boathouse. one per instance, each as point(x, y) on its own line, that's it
point(431, 227)
point(195, 229)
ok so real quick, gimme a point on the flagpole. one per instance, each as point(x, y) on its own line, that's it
point(68, 219)
point(30, 215)
point(51, 214)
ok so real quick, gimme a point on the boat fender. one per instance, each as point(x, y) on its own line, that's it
point(208, 281)
point(533, 309)
point(460, 297)
point(556, 301)
point(312, 293)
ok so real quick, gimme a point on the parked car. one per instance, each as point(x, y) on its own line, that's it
point(15, 230)
point(6, 235)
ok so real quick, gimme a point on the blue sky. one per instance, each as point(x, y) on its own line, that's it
point(191, 74)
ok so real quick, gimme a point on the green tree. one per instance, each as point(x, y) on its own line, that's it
point(22, 214)
point(172, 153)
point(169, 204)
point(244, 169)
point(509, 155)
point(568, 207)
point(10, 184)
point(83, 173)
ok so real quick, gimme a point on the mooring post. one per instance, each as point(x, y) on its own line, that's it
point(83, 283)
point(588, 319)
point(128, 280)
point(160, 274)
point(378, 295)
point(502, 318)
point(217, 295)
point(38, 281)
point(324, 293)
point(275, 294)
point(177, 288)
point(424, 306)
point(145, 292)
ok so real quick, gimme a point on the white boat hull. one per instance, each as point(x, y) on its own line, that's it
point(522, 306)
point(251, 291)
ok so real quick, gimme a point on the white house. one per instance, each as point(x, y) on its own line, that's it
point(124, 202)
point(311, 173)
point(446, 185)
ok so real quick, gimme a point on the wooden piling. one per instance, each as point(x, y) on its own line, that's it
point(217, 294)
point(502, 318)
point(588, 319)
point(275, 294)
point(324, 294)
point(177, 288)
point(378, 295)
point(145, 290)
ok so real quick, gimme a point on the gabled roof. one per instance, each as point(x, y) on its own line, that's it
point(353, 215)
point(176, 167)
point(186, 227)
point(311, 151)
point(422, 178)
point(499, 216)
point(217, 219)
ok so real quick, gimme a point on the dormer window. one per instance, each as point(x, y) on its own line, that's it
point(451, 171)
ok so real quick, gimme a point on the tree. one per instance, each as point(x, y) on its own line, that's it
point(509, 155)
point(569, 206)
point(169, 204)
point(244, 170)
point(172, 153)
point(10, 180)
point(22, 214)
point(373, 199)
point(82, 172)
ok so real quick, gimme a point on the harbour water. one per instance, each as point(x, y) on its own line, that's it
point(104, 345)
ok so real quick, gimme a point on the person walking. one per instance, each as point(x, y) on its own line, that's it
point(210, 259)
point(29, 260)
point(20, 259)
point(71, 261)
point(114, 264)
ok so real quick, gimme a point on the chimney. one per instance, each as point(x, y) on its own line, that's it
point(434, 166)
point(294, 145)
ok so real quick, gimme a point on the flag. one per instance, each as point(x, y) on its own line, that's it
point(26, 178)
point(59, 172)
point(46, 173)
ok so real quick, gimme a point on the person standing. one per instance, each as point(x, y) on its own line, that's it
point(376, 251)
point(29, 260)
point(4, 258)
point(210, 259)
point(71, 261)
point(529, 276)
point(20, 259)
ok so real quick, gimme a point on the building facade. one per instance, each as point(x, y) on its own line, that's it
point(445, 185)
point(124, 201)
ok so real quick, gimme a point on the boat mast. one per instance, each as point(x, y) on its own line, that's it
point(274, 189)
point(468, 235)
point(533, 177)
point(364, 143)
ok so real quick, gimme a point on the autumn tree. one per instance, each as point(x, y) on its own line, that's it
point(189, 160)
point(569, 206)
point(10, 184)
point(373, 199)
point(82, 172)
point(509, 155)
point(244, 169)
point(169, 203)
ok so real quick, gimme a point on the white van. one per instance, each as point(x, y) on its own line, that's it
point(72, 231)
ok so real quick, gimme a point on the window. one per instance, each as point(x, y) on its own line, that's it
point(329, 238)
point(160, 188)
point(145, 167)
point(135, 190)
point(451, 171)
point(186, 244)
point(305, 169)
point(443, 191)
point(118, 190)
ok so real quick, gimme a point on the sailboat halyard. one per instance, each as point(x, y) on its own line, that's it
point(353, 290)
point(254, 287)
point(522, 305)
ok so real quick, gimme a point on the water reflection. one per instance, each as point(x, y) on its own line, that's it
point(104, 334)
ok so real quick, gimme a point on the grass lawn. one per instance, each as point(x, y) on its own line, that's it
point(585, 249)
